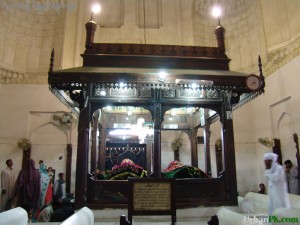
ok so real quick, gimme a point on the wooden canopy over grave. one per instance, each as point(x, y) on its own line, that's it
point(130, 75)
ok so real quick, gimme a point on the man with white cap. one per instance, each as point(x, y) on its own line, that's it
point(277, 186)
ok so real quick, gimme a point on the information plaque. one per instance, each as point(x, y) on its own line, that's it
point(152, 196)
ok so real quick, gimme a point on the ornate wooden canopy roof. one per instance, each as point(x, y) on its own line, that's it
point(135, 70)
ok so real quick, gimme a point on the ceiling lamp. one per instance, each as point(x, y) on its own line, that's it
point(103, 93)
point(162, 76)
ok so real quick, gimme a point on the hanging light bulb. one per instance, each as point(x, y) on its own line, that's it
point(96, 8)
point(216, 11)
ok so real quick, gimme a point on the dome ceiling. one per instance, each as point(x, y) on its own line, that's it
point(230, 8)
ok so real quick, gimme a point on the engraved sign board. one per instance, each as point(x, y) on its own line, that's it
point(152, 196)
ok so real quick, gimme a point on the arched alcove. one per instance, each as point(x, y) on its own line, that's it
point(285, 128)
point(116, 131)
point(167, 152)
point(215, 136)
point(49, 144)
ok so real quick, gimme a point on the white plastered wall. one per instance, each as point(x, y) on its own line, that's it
point(25, 113)
point(275, 114)
point(167, 153)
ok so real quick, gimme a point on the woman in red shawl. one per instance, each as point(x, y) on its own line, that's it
point(28, 185)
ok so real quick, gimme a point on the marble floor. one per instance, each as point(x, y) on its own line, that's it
point(189, 216)
point(158, 221)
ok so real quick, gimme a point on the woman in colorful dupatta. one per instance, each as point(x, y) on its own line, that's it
point(28, 185)
point(46, 187)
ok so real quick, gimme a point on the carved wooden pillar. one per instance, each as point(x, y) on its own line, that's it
point(82, 157)
point(219, 156)
point(99, 145)
point(94, 141)
point(206, 135)
point(229, 155)
point(194, 147)
point(101, 160)
point(149, 147)
point(158, 118)
point(68, 168)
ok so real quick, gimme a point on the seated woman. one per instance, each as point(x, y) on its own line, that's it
point(178, 170)
point(126, 169)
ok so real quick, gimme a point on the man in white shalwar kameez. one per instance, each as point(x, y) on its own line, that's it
point(277, 186)
point(8, 180)
point(292, 177)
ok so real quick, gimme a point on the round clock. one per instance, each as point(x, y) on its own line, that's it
point(253, 82)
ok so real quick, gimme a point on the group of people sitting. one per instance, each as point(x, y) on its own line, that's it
point(34, 191)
